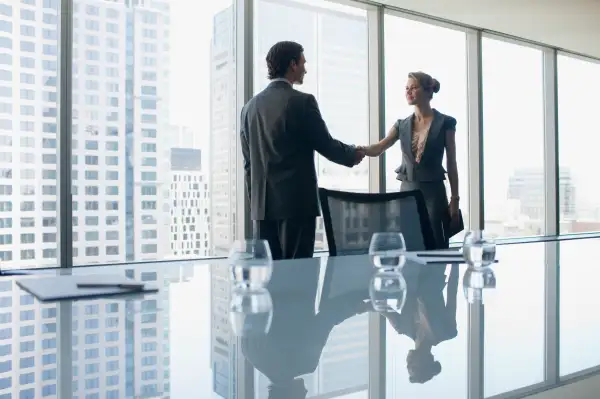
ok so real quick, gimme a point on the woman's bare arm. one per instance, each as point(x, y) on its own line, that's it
point(375, 150)
point(451, 166)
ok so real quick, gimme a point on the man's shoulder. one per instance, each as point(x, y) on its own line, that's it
point(303, 95)
point(289, 91)
point(289, 95)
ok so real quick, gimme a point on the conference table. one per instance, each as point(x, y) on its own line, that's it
point(315, 334)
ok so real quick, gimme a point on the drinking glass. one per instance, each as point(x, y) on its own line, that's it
point(387, 290)
point(388, 250)
point(250, 312)
point(479, 250)
point(251, 264)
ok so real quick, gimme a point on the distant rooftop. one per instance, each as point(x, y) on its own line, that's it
point(186, 159)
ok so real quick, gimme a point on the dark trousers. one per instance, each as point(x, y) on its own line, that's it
point(288, 238)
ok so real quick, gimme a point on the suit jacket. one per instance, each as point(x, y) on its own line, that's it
point(281, 128)
point(430, 167)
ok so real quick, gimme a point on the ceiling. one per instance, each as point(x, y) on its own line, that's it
point(572, 25)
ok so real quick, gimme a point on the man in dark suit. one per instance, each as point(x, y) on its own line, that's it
point(281, 128)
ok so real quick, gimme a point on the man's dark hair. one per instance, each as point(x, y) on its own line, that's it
point(280, 56)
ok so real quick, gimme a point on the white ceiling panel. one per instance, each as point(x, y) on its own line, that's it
point(572, 25)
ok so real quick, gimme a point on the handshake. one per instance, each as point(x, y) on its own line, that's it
point(361, 152)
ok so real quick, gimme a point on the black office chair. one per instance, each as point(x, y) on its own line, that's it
point(351, 219)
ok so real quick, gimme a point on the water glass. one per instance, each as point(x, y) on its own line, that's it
point(250, 312)
point(477, 280)
point(387, 290)
point(251, 264)
point(479, 250)
point(388, 250)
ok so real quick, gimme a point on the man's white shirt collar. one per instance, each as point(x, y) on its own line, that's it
point(282, 80)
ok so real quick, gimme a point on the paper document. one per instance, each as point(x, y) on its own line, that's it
point(54, 288)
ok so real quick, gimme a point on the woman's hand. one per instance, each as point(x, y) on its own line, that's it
point(371, 150)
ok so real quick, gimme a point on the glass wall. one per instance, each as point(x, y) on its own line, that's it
point(154, 135)
point(156, 98)
point(579, 196)
point(29, 51)
point(335, 40)
point(513, 139)
point(408, 48)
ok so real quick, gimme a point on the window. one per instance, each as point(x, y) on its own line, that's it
point(117, 120)
point(31, 43)
point(514, 191)
point(578, 199)
point(450, 100)
point(335, 40)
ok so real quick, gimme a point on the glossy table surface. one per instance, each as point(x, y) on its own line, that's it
point(324, 339)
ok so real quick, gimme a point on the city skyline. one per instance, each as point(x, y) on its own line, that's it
point(136, 86)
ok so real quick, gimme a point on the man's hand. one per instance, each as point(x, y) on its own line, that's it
point(370, 150)
point(359, 155)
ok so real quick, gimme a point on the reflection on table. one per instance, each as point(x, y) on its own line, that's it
point(179, 342)
point(427, 318)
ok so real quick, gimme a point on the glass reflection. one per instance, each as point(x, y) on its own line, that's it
point(427, 318)
point(387, 290)
point(250, 312)
point(475, 281)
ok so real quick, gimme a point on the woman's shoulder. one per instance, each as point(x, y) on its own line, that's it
point(449, 121)
point(404, 121)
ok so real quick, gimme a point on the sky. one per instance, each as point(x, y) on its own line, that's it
point(191, 34)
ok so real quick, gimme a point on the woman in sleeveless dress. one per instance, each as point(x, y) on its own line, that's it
point(424, 137)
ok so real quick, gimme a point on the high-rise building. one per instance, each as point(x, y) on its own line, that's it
point(223, 344)
point(223, 136)
point(527, 187)
point(120, 114)
point(190, 220)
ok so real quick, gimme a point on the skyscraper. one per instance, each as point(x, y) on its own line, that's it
point(527, 187)
point(120, 114)
point(223, 137)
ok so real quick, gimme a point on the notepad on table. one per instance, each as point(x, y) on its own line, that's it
point(70, 287)
point(440, 254)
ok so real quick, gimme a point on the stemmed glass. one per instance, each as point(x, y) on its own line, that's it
point(388, 250)
point(251, 264)
point(479, 250)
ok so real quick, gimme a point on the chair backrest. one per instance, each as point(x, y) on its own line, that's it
point(351, 219)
